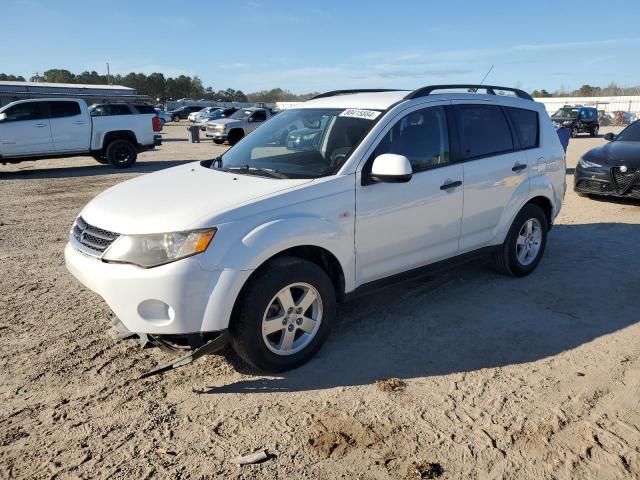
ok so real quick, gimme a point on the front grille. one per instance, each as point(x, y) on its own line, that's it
point(591, 186)
point(623, 179)
point(95, 239)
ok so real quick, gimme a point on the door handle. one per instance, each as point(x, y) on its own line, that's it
point(79, 123)
point(449, 185)
point(518, 167)
point(40, 125)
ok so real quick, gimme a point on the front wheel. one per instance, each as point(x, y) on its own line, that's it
point(574, 132)
point(217, 141)
point(121, 154)
point(176, 118)
point(284, 315)
point(235, 136)
point(524, 246)
point(594, 132)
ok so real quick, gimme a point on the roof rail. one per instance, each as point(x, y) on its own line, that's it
point(359, 90)
point(490, 89)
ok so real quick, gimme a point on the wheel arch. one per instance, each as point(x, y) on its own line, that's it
point(118, 135)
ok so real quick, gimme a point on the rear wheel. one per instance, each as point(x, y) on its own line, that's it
point(121, 154)
point(594, 131)
point(525, 243)
point(235, 136)
point(176, 118)
point(283, 315)
point(574, 132)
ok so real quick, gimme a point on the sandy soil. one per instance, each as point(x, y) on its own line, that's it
point(536, 378)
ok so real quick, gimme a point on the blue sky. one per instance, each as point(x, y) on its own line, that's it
point(309, 46)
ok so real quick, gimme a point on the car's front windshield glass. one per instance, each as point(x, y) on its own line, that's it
point(566, 113)
point(630, 134)
point(241, 114)
point(300, 143)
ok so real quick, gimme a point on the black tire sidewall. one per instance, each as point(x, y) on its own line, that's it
point(246, 325)
point(116, 144)
point(234, 137)
point(176, 118)
point(516, 268)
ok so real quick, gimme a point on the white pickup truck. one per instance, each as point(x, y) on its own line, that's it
point(238, 125)
point(112, 133)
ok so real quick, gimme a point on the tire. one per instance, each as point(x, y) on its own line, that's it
point(574, 132)
point(176, 118)
point(594, 132)
point(235, 136)
point(218, 142)
point(260, 298)
point(100, 158)
point(507, 259)
point(162, 122)
point(121, 154)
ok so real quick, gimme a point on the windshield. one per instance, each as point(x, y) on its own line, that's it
point(300, 143)
point(566, 113)
point(241, 114)
point(630, 134)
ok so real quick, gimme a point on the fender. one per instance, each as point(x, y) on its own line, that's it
point(267, 240)
point(539, 186)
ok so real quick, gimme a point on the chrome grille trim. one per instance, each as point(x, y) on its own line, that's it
point(90, 239)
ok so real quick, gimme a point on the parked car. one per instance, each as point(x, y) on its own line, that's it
point(611, 169)
point(183, 112)
point(201, 120)
point(111, 133)
point(578, 119)
point(163, 116)
point(201, 113)
point(621, 118)
point(258, 245)
point(237, 125)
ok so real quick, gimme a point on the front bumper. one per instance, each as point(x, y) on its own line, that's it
point(169, 299)
point(607, 181)
point(216, 134)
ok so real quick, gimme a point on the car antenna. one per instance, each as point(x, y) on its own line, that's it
point(486, 75)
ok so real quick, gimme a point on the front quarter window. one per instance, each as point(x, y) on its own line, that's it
point(299, 143)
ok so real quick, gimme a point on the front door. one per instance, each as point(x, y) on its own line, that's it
point(401, 226)
point(26, 130)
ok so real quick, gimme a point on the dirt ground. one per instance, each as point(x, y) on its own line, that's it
point(534, 378)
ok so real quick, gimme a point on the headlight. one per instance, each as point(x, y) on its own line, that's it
point(587, 164)
point(158, 248)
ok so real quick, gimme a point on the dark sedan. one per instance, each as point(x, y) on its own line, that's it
point(612, 169)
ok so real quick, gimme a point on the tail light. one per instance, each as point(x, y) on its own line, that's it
point(156, 124)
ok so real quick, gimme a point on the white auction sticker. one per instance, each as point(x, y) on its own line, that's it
point(357, 113)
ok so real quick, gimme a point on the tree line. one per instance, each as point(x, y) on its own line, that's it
point(588, 91)
point(156, 85)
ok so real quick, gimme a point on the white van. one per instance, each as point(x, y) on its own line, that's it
point(257, 245)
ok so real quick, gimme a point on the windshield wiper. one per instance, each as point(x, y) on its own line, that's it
point(246, 168)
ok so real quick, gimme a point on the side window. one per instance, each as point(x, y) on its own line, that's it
point(26, 111)
point(63, 109)
point(483, 130)
point(100, 111)
point(120, 109)
point(526, 125)
point(421, 136)
point(259, 116)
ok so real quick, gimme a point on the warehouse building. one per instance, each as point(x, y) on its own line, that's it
point(12, 91)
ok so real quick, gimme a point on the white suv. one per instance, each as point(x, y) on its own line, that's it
point(257, 246)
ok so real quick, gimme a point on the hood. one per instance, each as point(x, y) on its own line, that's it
point(616, 153)
point(177, 199)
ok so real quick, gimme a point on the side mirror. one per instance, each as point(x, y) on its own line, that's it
point(609, 136)
point(391, 168)
point(250, 119)
point(3, 117)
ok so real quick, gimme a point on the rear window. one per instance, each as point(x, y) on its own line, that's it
point(63, 109)
point(145, 109)
point(120, 109)
point(526, 125)
point(483, 130)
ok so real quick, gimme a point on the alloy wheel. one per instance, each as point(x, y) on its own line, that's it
point(292, 319)
point(529, 241)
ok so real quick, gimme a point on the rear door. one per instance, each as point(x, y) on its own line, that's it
point(26, 130)
point(70, 128)
point(495, 172)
